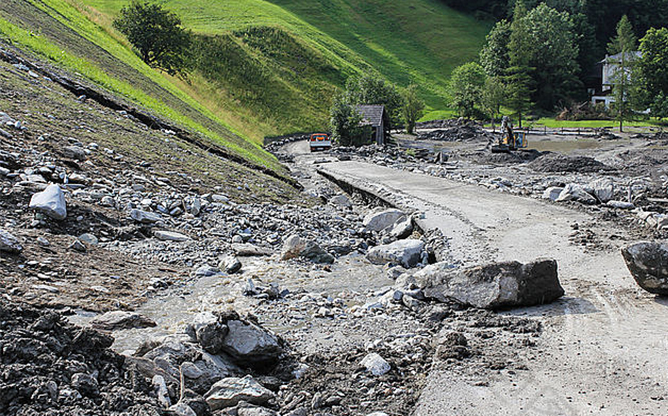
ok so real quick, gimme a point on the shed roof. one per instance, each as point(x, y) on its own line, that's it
point(372, 114)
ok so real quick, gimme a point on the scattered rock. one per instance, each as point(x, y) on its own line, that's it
point(620, 205)
point(492, 286)
point(294, 247)
point(229, 391)
point(648, 264)
point(144, 217)
point(89, 239)
point(375, 364)
point(552, 193)
point(50, 202)
point(250, 250)
point(74, 152)
point(407, 253)
point(77, 246)
point(9, 243)
point(341, 201)
point(209, 331)
point(115, 320)
point(577, 193)
point(170, 236)
point(230, 264)
point(402, 228)
point(603, 189)
point(251, 345)
point(379, 221)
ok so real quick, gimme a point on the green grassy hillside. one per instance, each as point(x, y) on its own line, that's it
point(419, 41)
point(264, 67)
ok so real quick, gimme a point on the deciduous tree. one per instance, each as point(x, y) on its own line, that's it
point(413, 107)
point(156, 34)
point(466, 88)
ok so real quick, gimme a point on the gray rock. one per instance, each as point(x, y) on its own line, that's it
point(46, 288)
point(74, 152)
point(294, 247)
point(552, 193)
point(375, 364)
point(250, 410)
point(206, 271)
point(85, 384)
point(402, 228)
point(144, 217)
point(229, 391)
point(170, 236)
point(379, 221)
point(251, 345)
point(230, 264)
point(648, 264)
point(9, 243)
point(378, 414)
point(89, 239)
point(115, 320)
point(209, 331)
point(574, 192)
point(50, 202)
point(407, 253)
point(620, 205)
point(603, 189)
point(182, 409)
point(77, 246)
point(250, 250)
point(341, 201)
point(492, 286)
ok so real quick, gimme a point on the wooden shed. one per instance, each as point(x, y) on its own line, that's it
point(376, 117)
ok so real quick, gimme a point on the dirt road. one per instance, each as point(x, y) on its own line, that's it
point(603, 348)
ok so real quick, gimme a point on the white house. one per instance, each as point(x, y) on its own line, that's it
point(608, 71)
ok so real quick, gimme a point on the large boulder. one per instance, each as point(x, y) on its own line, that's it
point(229, 391)
point(403, 228)
point(492, 286)
point(251, 345)
point(603, 189)
point(648, 263)
point(574, 192)
point(50, 202)
point(407, 253)
point(552, 193)
point(114, 320)
point(9, 243)
point(294, 247)
point(379, 221)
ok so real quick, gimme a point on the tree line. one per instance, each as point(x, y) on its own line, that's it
point(533, 61)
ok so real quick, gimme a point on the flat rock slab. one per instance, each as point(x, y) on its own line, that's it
point(229, 391)
point(170, 236)
point(492, 286)
point(648, 264)
point(144, 217)
point(114, 320)
point(250, 250)
point(50, 202)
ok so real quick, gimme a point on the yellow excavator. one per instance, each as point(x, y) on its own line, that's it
point(509, 140)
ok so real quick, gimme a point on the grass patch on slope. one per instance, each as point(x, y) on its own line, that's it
point(56, 30)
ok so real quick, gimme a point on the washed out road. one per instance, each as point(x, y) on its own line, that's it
point(604, 344)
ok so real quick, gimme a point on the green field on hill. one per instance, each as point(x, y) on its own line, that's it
point(266, 67)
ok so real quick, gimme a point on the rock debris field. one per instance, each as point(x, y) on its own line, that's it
point(132, 288)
